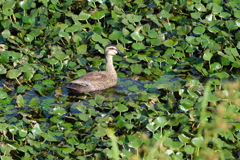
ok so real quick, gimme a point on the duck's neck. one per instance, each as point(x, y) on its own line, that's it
point(109, 65)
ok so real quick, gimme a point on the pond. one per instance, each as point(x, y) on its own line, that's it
point(177, 95)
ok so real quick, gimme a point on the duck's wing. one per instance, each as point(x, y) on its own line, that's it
point(91, 77)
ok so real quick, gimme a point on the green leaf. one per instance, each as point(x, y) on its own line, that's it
point(138, 46)
point(137, 36)
point(3, 126)
point(132, 18)
point(84, 15)
point(21, 89)
point(222, 75)
point(237, 14)
point(216, 9)
point(13, 73)
point(136, 68)
point(152, 126)
point(196, 15)
point(214, 46)
point(63, 34)
point(184, 30)
point(169, 26)
point(231, 25)
point(9, 4)
point(207, 56)
point(48, 82)
point(183, 138)
point(189, 149)
point(72, 29)
point(200, 7)
point(6, 33)
point(96, 37)
point(82, 49)
point(133, 88)
point(199, 30)
point(33, 102)
point(68, 150)
point(170, 43)
point(165, 14)
point(99, 14)
point(216, 66)
point(99, 99)
point(122, 108)
point(134, 141)
point(23, 133)
point(197, 141)
point(29, 38)
point(2, 69)
point(3, 95)
point(213, 29)
point(115, 35)
point(36, 130)
point(161, 121)
point(61, 56)
point(231, 51)
point(20, 101)
point(7, 8)
point(25, 4)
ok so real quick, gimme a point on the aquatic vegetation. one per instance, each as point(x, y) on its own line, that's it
point(178, 90)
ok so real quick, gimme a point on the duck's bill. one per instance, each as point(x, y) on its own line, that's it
point(122, 55)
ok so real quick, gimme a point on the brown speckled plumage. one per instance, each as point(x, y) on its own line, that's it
point(99, 80)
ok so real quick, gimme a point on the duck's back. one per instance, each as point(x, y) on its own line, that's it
point(94, 81)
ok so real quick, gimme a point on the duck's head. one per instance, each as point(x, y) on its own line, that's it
point(113, 50)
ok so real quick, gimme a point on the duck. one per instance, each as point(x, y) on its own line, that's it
point(98, 80)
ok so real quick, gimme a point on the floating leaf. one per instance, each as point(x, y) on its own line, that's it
point(13, 73)
point(138, 46)
point(7, 8)
point(20, 100)
point(216, 66)
point(222, 75)
point(207, 56)
point(170, 43)
point(97, 15)
point(134, 141)
point(21, 89)
point(200, 7)
point(161, 121)
point(96, 37)
point(199, 30)
point(68, 150)
point(216, 8)
point(29, 38)
point(115, 35)
point(189, 149)
point(152, 126)
point(72, 29)
point(2, 69)
point(82, 49)
point(99, 99)
point(197, 141)
point(137, 36)
point(136, 68)
point(6, 33)
point(33, 102)
point(3, 95)
point(231, 25)
point(183, 138)
point(133, 88)
point(169, 26)
point(184, 30)
point(61, 56)
point(122, 108)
